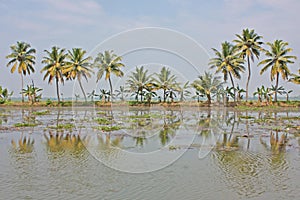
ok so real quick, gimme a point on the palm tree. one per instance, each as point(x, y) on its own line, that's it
point(259, 92)
point(249, 46)
point(183, 91)
point(296, 78)
point(228, 62)
point(207, 85)
point(78, 66)
point(22, 56)
point(139, 80)
point(277, 60)
point(108, 63)
point(55, 63)
point(32, 93)
point(165, 81)
point(4, 95)
point(121, 92)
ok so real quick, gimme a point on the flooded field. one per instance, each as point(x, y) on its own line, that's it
point(94, 153)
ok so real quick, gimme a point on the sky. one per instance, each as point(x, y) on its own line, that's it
point(96, 24)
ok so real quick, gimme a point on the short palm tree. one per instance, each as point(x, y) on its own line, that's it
point(121, 92)
point(108, 63)
point(32, 93)
point(278, 61)
point(228, 62)
point(23, 58)
point(165, 80)
point(139, 80)
point(78, 66)
point(249, 45)
point(54, 65)
point(183, 91)
point(207, 85)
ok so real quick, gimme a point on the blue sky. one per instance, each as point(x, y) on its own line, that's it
point(76, 23)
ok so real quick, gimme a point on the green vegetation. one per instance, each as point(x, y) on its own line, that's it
point(45, 112)
point(61, 65)
point(23, 124)
point(108, 63)
point(103, 121)
point(22, 57)
point(78, 67)
point(108, 128)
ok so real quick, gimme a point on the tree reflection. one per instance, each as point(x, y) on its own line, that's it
point(60, 142)
point(23, 145)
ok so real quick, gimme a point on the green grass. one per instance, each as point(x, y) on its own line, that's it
point(67, 126)
point(25, 125)
point(103, 121)
point(45, 112)
point(246, 117)
point(108, 128)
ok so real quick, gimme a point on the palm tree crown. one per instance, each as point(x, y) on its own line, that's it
point(22, 56)
point(207, 85)
point(278, 61)
point(108, 63)
point(78, 66)
point(139, 80)
point(249, 47)
point(228, 62)
point(54, 66)
point(165, 80)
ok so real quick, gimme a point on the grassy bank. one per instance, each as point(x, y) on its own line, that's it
point(251, 105)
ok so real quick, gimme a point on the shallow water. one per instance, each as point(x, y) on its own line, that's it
point(197, 154)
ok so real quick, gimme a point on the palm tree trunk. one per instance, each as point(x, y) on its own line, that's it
point(57, 90)
point(22, 87)
point(111, 89)
point(230, 75)
point(208, 99)
point(79, 81)
point(164, 95)
point(248, 79)
point(276, 86)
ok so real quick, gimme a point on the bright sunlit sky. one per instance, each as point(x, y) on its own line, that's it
point(78, 23)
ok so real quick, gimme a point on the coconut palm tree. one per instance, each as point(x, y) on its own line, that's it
point(139, 80)
point(54, 65)
point(278, 60)
point(183, 91)
point(296, 78)
point(249, 46)
point(78, 66)
point(108, 63)
point(165, 80)
point(207, 85)
point(23, 58)
point(228, 62)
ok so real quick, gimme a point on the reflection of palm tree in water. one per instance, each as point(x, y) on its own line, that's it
point(61, 142)
point(278, 145)
point(25, 145)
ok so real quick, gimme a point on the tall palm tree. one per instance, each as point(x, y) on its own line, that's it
point(108, 63)
point(78, 66)
point(249, 46)
point(139, 80)
point(23, 58)
point(165, 80)
point(207, 85)
point(54, 66)
point(228, 62)
point(278, 61)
